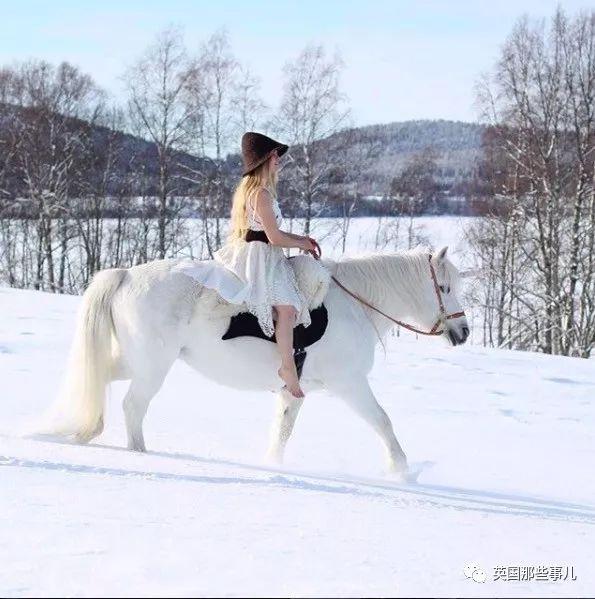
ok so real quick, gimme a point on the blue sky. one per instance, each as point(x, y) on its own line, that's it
point(403, 59)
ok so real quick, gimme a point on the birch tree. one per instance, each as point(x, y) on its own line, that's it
point(53, 108)
point(540, 103)
point(312, 109)
point(155, 85)
point(213, 92)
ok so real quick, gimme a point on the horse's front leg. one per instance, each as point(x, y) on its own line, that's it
point(288, 407)
point(356, 392)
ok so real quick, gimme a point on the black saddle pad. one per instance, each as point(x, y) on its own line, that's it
point(246, 325)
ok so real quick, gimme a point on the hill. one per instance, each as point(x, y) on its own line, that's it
point(135, 168)
point(456, 145)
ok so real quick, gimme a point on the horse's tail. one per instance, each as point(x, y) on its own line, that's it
point(79, 409)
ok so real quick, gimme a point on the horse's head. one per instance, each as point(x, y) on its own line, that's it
point(444, 305)
point(415, 289)
point(431, 295)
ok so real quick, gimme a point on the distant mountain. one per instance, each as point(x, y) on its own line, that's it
point(456, 146)
point(456, 143)
point(135, 160)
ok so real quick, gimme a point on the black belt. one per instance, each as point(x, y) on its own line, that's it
point(252, 235)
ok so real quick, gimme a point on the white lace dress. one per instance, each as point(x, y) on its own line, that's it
point(262, 275)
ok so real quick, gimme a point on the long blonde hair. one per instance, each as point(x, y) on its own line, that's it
point(260, 177)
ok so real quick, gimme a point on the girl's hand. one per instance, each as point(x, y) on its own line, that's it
point(317, 253)
point(310, 246)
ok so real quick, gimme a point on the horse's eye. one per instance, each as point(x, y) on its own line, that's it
point(444, 289)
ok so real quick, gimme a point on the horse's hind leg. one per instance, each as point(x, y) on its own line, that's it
point(288, 408)
point(359, 396)
point(136, 402)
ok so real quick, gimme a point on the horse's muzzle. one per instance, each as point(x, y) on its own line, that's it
point(458, 337)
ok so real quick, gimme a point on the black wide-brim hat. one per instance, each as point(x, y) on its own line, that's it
point(257, 148)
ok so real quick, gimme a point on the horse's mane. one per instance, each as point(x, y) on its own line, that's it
point(405, 273)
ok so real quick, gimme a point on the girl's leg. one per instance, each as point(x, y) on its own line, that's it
point(286, 316)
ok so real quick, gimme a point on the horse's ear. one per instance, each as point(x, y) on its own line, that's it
point(441, 254)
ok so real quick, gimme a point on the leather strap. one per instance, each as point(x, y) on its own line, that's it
point(434, 330)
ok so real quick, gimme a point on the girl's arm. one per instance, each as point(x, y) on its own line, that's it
point(317, 251)
point(294, 235)
point(264, 209)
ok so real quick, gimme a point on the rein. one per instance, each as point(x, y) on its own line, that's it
point(441, 319)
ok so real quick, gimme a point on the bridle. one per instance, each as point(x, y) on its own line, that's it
point(442, 318)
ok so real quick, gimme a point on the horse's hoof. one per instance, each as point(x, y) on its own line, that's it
point(274, 458)
point(398, 476)
point(398, 470)
point(139, 447)
point(84, 437)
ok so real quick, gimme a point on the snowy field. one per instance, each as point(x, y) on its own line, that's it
point(502, 444)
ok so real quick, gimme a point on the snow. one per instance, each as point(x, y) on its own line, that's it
point(439, 231)
point(502, 443)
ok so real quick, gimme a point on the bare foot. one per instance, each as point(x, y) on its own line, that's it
point(292, 383)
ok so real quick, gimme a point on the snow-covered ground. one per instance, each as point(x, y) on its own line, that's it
point(503, 443)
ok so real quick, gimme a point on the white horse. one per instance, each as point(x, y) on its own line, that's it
point(134, 323)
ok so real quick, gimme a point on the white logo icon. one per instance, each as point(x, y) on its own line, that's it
point(475, 572)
